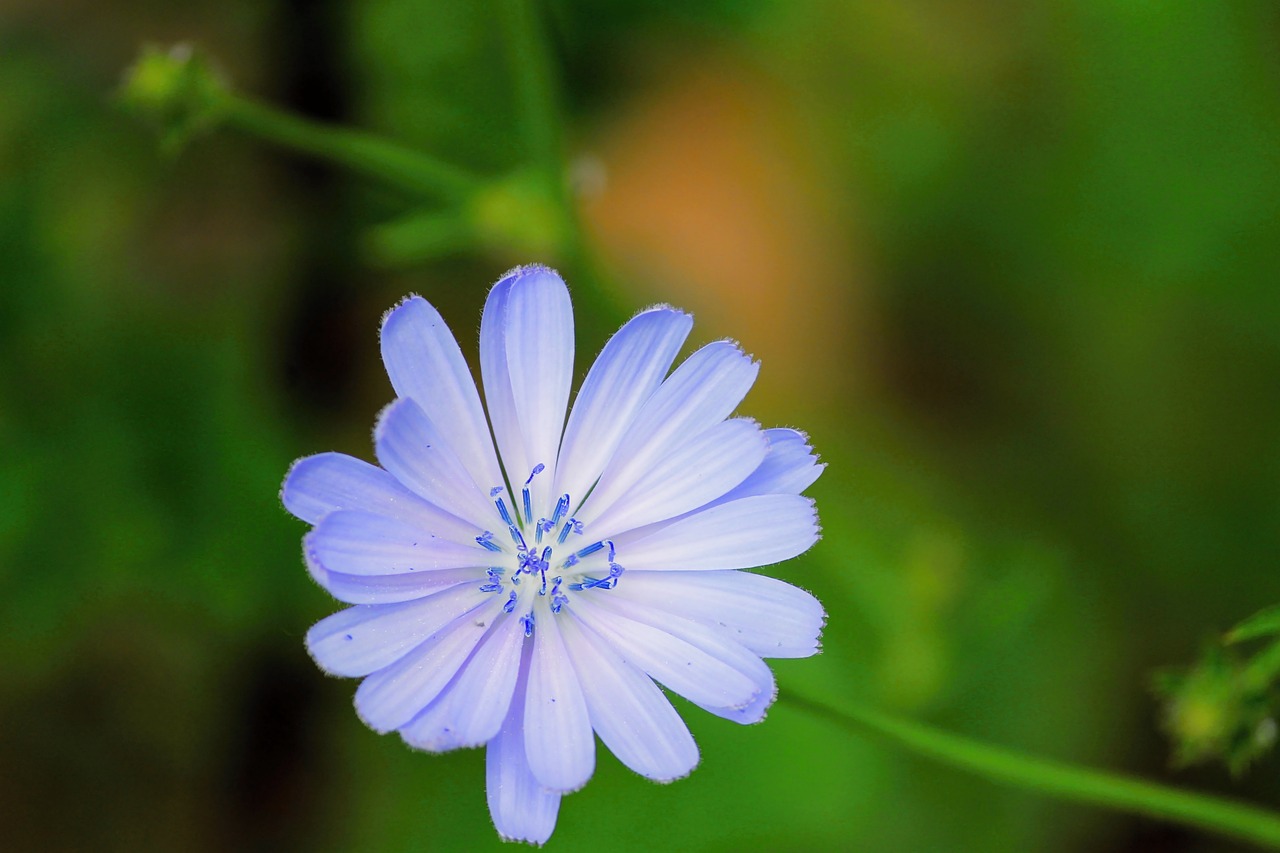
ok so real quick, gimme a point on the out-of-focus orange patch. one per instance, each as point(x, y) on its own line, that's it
point(712, 199)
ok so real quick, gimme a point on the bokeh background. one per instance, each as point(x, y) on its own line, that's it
point(1013, 266)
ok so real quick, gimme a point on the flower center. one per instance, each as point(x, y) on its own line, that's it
point(537, 575)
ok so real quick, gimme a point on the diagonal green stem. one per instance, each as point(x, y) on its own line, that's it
point(394, 164)
point(1057, 779)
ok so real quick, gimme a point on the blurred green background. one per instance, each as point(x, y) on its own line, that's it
point(1013, 266)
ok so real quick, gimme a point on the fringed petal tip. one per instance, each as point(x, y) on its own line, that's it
point(527, 271)
point(396, 309)
point(663, 306)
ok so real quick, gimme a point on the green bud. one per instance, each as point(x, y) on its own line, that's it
point(521, 214)
point(1217, 710)
point(177, 90)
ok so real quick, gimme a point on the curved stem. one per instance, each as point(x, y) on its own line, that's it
point(1057, 779)
point(403, 167)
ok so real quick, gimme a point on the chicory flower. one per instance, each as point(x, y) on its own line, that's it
point(525, 583)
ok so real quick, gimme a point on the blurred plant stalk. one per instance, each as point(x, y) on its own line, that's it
point(181, 93)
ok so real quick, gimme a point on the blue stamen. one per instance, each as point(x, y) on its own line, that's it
point(527, 619)
point(502, 510)
point(517, 538)
point(491, 586)
point(564, 533)
point(590, 549)
point(528, 507)
point(495, 491)
point(511, 603)
point(612, 552)
point(537, 538)
point(571, 561)
point(562, 506)
point(486, 539)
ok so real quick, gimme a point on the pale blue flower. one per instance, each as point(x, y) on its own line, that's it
point(528, 599)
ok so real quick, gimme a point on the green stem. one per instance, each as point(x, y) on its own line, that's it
point(403, 167)
point(1057, 779)
point(536, 89)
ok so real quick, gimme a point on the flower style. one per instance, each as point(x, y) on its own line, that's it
point(528, 598)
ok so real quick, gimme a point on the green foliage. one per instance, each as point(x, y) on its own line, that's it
point(1224, 706)
point(1054, 226)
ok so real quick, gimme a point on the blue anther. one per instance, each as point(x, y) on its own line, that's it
point(486, 539)
point(570, 561)
point(537, 469)
point(558, 600)
point(546, 556)
point(564, 533)
point(491, 586)
point(537, 535)
point(517, 538)
point(562, 506)
point(594, 583)
point(612, 552)
point(528, 505)
point(495, 491)
point(511, 602)
point(615, 570)
point(502, 510)
point(527, 619)
point(590, 549)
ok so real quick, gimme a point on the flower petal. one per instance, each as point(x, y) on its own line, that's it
point(412, 448)
point(393, 696)
point(539, 331)
point(771, 618)
point(788, 469)
point(694, 472)
point(327, 482)
point(626, 373)
point(471, 709)
point(741, 534)
point(364, 639)
point(498, 393)
point(317, 485)
point(699, 394)
point(558, 739)
point(628, 710)
point(522, 809)
point(361, 543)
point(754, 711)
point(712, 673)
point(424, 363)
point(714, 643)
point(385, 589)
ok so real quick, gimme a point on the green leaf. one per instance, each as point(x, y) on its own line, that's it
point(1264, 623)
